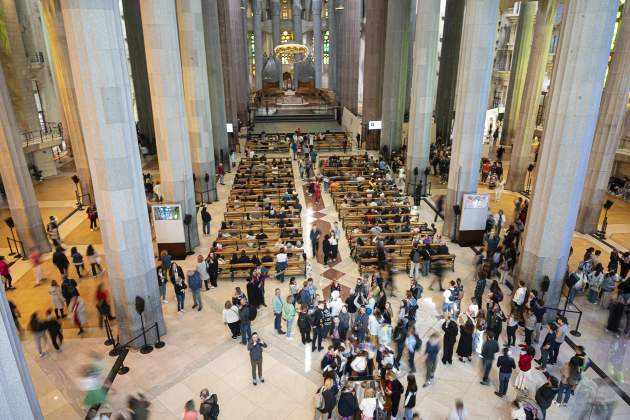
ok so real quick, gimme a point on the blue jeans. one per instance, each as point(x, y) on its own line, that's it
point(221, 179)
point(426, 267)
point(289, 326)
point(206, 228)
point(487, 366)
point(246, 332)
point(197, 298)
point(280, 268)
point(564, 393)
point(277, 321)
point(180, 301)
point(163, 291)
point(504, 381)
point(574, 291)
point(408, 414)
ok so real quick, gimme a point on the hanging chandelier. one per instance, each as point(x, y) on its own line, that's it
point(293, 53)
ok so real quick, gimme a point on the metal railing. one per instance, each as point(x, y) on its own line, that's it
point(48, 132)
point(16, 247)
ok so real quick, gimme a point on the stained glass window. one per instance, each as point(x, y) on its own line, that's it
point(326, 40)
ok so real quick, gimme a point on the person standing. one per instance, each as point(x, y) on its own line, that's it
point(231, 318)
point(314, 236)
point(69, 290)
point(35, 258)
point(506, 365)
point(276, 304)
point(209, 406)
point(102, 305)
point(161, 284)
point(52, 229)
point(54, 330)
point(77, 261)
point(6, 274)
point(348, 405)
point(570, 376)
point(194, 283)
point(488, 350)
point(288, 313)
point(465, 344)
point(92, 215)
point(450, 336)
point(60, 261)
point(56, 298)
point(180, 293)
point(304, 324)
point(561, 333)
point(38, 329)
point(94, 259)
point(206, 220)
point(546, 393)
point(77, 309)
point(431, 351)
point(410, 397)
point(202, 270)
point(245, 318)
point(221, 173)
point(415, 260)
point(255, 347)
point(213, 268)
point(326, 398)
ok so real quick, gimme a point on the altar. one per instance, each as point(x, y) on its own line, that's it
point(289, 98)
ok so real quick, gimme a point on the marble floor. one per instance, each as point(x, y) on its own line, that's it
point(200, 353)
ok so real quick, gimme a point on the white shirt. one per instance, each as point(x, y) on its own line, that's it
point(519, 295)
point(373, 325)
point(202, 270)
point(282, 257)
point(367, 407)
point(230, 315)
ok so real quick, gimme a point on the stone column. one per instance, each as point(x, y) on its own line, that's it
point(99, 68)
point(230, 73)
point(297, 34)
point(17, 71)
point(139, 75)
point(449, 60)
point(317, 41)
point(258, 47)
point(524, 125)
point(215, 79)
point(196, 94)
point(332, 46)
point(395, 73)
point(17, 179)
point(373, 62)
point(518, 73)
point(159, 25)
point(349, 37)
point(422, 89)
point(275, 21)
point(18, 399)
point(608, 131)
point(576, 90)
point(51, 13)
point(473, 84)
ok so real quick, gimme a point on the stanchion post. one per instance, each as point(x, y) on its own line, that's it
point(159, 343)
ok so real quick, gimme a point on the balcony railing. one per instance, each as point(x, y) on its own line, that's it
point(48, 132)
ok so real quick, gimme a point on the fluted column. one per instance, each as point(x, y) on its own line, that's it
point(258, 48)
point(159, 24)
point(51, 13)
point(473, 84)
point(608, 131)
point(214, 68)
point(19, 400)
point(317, 41)
point(99, 70)
point(422, 89)
point(332, 46)
point(518, 73)
point(373, 63)
point(17, 71)
point(275, 21)
point(16, 178)
point(524, 126)
point(395, 73)
point(196, 93)
point(349, 46)
point(297, 33)
point(449, 59)
point(574, 102)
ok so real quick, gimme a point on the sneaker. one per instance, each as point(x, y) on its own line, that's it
point(281, 332)
point(194, 306)
point(199, 309)
point(289, 338)
point(426, 384)
point(498, 394)
point(43, 354)
point(254, 382)
point(262, 380)
point(165, 301)
point(484, 383)
point(58, 350)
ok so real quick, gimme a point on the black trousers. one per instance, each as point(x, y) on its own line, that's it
point(318, 334)
point(54, 336)
point(305, 335)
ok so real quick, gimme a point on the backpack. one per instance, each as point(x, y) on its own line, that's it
point(454, 297)
point(210, 409)
point(253, 312)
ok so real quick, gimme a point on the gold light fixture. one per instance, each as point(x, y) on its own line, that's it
point(294, 53)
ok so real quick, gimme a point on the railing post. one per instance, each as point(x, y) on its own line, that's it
point(575, 332)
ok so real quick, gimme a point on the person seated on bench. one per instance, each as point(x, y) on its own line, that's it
point(261, 235)
point(243, 258)
point(251, 237)
point(442, 249)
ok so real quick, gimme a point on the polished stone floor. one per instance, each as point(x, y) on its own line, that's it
point(200, 353)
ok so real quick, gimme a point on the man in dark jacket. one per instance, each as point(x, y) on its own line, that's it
point(348, 404)
point(61, 261)
point(206, 218)
point(506, 365)
point(194, 283)
point(244, 314)
point(488, 350)
point(317, 321)
point(450, 335)
point(546, 393)
point(314, 237)
point(255, 347)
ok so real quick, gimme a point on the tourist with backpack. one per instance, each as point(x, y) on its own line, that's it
point(325, 400)
point(348, 404)
point(209, 406)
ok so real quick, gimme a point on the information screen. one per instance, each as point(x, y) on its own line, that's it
point(375, 125)
point(476, 201)
point(229, 127)
point(166, 212)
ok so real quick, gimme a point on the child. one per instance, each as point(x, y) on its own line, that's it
point(512, 326)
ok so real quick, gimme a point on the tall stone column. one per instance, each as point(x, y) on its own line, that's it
point(317, 41)
point(518, 73)
point(425, 51)
point(449, 60)
point(608, 131)
point(373, 63)
point(473, 84)
point(332, 45)
point(18, 399)
point(17, 71)
point(349, 37)
point(395, 73)
point(51, 13)
point(524, 125)
point(139, 74)
point(574, 102)
point(297, 34)
point(164, 66)
point(99, 69)
point(17, 179)
point(275, 21)
point(215, 79)
point(258, 47)
point(196, 93)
